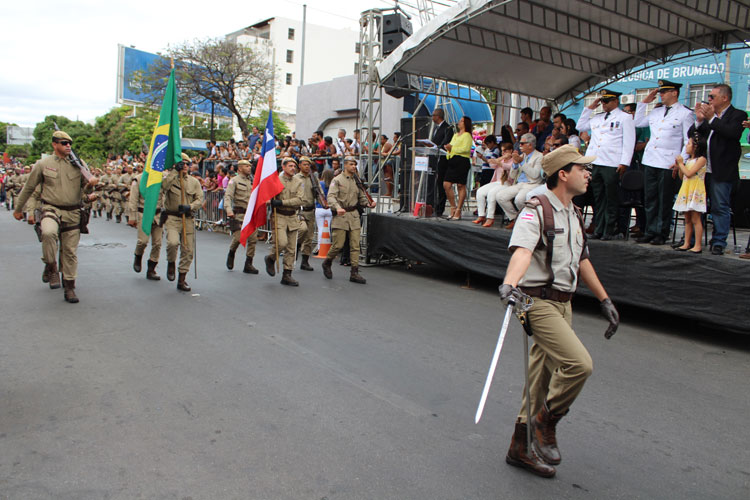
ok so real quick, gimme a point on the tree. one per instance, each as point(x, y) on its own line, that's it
point(214, 70)
point(4, 133)
point(279, 127)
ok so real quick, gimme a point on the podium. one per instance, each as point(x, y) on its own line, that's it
point(418, 180)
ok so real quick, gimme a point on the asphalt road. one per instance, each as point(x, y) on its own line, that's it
point(245, 389)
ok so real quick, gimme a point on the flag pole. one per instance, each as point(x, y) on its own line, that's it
point(275, 227)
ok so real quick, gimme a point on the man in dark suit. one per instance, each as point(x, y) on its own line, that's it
point(441, 135)
point(721, 124)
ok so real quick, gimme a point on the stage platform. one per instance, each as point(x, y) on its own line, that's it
point(708, 288)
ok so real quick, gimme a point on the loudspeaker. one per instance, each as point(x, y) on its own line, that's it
point(397, 85)
point(394, 23)
point(393, 40)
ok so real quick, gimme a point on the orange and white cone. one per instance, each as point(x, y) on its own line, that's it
point(325, 241)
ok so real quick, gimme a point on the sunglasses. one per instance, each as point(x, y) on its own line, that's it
point(65, 143)
point(710, 96)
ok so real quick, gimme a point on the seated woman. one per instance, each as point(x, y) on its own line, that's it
point(486, 194)
point(458, 165)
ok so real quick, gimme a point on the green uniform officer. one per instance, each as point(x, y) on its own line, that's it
point(236, 198)
point(286, 223)
point(135, 209)
point(559, 364)
point(183, 196)
point(63, 187)
point(307, 213)
point(344, 198)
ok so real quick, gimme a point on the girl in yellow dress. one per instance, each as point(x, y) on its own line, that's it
point(692, 196)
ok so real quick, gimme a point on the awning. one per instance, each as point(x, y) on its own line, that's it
point(558, 49)
point(464, 101)
point(193, 144)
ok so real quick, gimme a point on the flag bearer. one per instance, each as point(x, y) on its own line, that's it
point(286, 223)
point(235, 203)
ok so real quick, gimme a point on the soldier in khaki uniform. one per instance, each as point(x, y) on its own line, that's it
point(236, 198)
point(307, 214)
point(63, 188)
point(287, 223)
point(99, 189)
point(123, 186)
point(559, 364)
point(135, 209)
point(344, 197)
point(183, 195)
point(115, 194)
point(108, 187)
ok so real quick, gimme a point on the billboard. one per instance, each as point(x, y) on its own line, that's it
point(129, 62)
point(19, 135)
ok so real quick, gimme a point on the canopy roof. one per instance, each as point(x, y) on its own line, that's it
point(464, 101)
point(558, 49)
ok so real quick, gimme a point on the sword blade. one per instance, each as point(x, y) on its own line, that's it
point(493, 364)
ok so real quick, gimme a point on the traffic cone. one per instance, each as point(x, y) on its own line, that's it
point(325, 241)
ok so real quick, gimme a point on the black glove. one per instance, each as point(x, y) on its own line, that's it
point(611, 315)
point(179, 167)
point(508, 292)
point(276, 203)
point(184, 209)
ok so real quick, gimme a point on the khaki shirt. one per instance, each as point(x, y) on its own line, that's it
point(308, 200)
point(123, 184)
point(344, 193)
point(106, 182)
point(291, 196)
point(170, 188)
point(238, 193)
point(135, 202)
point(62, 184)
point(567, 248)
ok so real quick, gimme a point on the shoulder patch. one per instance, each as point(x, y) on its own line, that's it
point(527, 215)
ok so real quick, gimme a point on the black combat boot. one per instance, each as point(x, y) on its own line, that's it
point(182, 284)
point(93, 212)
point(151, 271)
point(170, 271)
point(326, 266)
point(100, 212)
point(270, 261)
point(127, 219)
point(137, 263)
point(305, 266)
point(230, 260)
point(286, 279)
point(109, 215)
point(119, 218)
point(544, 437)
point(249, 269)
point(519, 456)
point(70, 294)
point(355, 277)
point(53, 276)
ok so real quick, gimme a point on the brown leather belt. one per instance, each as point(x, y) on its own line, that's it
point(62, 207)
point(158, 210)
point(178, 214)
point(351, 209)
point(547, 293)
point(285, 211)
point(308, 209)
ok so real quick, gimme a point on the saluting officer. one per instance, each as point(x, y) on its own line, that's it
point(236, 198)
point(344, 199)
point(286, 222)
point(559, 364)
point(183, 195)
point(135, 209)
point(63, 187)
point(669, 128)
point(307, 213)
point(613, 143)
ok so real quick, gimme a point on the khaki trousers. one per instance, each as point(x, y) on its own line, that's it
point(338, 239)
point(286, 235)
point(156, 236)
point(249, 244)
point(117, 202)
point(68, 241)
point(306, 234)
point(173, 227)
point(559, 364)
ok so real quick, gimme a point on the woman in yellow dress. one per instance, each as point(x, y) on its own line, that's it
point(459, 163)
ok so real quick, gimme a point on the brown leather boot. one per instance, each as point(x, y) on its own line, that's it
point(270, 265)
point(543, 435)
point(182, 284)
point(249, 268)
point(305, 266)
point(151, 271)
point(45, 273)
point(70, 294)
point(519, 456)
point(355, 277)
point(53, 276)
point(286, 279)
point(137, 263)
point(326, 266)
point(230, 260)
point(170, 271)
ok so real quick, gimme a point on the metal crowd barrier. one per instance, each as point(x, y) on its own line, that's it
point(212, 215)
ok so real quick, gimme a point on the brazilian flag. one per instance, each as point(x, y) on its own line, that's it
point(164, 152)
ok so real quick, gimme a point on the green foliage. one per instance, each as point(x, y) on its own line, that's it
point(222, 133)
point(279, 127)
point(4, 133)
point(19, 151)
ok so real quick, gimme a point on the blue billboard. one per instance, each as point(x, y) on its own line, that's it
point(133, 61)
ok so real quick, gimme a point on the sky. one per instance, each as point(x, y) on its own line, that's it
point(61, 58)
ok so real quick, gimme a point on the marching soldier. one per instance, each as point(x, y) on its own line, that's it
point(135, 207)
point(109, 187)
point(63, 188)
point(344, 198)
point(183, 195)
point(115, 194)
point(123, 186)
point(235, 203)
point(286, 223)
point(307, 213)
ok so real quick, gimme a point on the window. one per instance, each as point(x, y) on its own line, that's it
point(699, 93)
point(291, 33)
point(356, 69)
point(357, 47)
point(288, 78)
point(290, 56)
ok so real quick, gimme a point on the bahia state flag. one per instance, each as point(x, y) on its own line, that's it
point(164, 152)
point(266, 184)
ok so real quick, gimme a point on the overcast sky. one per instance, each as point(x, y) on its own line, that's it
point(61, 57)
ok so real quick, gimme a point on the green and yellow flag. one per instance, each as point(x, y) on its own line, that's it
point(164, 152)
